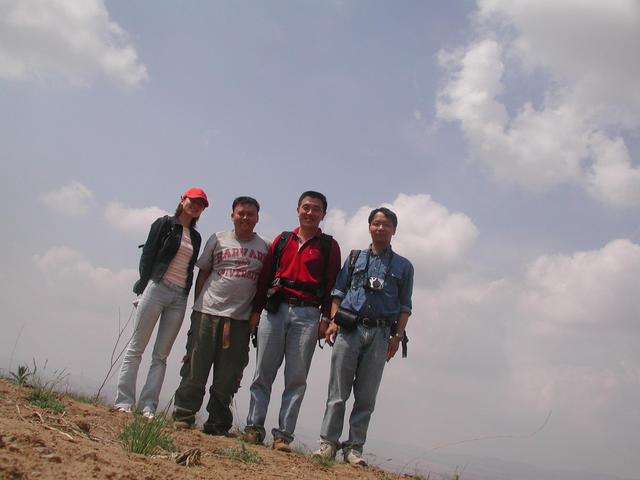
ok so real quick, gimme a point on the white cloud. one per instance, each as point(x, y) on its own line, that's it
point(133, 221)
point(72, 39)
point(497, 355)
point(574, 136)
point(434, 239)
point(64, 264)
point(597, 288)
point(73, 199)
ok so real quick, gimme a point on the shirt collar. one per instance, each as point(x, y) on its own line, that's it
point(297, 230)
point(384, 251)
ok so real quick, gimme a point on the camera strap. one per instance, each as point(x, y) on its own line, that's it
point(366, 268)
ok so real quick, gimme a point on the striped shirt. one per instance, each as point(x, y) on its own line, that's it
point(177, 270)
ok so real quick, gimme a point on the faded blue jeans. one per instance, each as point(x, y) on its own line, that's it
point(167, 302)
point(357, 362)
point(290, 334)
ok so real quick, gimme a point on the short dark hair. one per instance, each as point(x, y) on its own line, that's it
point(249, 200)
point(314, 194)
point(387, 213)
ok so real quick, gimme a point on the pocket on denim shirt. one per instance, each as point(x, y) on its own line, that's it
point(358, 278)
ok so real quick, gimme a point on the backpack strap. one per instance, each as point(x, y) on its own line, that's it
point(277, 251)
point(353, 257)
point(325, 250)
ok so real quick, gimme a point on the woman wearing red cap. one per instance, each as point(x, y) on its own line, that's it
point(166, 274)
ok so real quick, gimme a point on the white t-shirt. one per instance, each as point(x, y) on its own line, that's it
point(235, 266)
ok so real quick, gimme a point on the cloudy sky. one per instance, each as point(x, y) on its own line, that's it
point(504, 134)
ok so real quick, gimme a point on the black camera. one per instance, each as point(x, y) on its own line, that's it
point(375, 284)
point(274, 298)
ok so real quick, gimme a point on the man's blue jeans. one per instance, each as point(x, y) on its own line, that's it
point(168, 303)
point(357, 362)
point(290, 334)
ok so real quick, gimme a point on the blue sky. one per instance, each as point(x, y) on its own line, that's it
point(505, 134)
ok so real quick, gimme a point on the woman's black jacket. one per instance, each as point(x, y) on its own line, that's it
point(161, 246)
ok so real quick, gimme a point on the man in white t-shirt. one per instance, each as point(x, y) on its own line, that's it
point(230, 265)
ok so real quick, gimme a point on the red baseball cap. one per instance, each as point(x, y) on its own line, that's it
point(195, 192)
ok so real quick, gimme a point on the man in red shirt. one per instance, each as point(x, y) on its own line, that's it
point(295, 291)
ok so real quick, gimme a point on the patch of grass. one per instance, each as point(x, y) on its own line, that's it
point(242, 454)
point(86, 398)
point(21, 376)
point(46, 398)
point(386, 476)
point(146, 436)
point(44, 391)
point(324, 461)
point(419, 476)
point(300, 449)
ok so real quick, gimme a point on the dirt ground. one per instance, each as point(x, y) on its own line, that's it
point(82, 443)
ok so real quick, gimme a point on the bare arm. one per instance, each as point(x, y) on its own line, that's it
point(332, 329)
point(202, 277)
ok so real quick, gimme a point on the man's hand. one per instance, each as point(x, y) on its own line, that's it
point(254, 320)
point(322, 327)
point(394, 343)
point(331, 332)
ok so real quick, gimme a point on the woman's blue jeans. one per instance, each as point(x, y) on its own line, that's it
point(162, 301)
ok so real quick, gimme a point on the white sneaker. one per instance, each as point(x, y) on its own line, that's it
point(326, 450)
point(123, 409)
point(148, 415)
point(354, 458)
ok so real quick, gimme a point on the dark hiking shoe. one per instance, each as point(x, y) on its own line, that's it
point(252, 436)
point(281, 445)
point(210, 429)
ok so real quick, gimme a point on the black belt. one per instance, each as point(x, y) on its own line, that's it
point(373, 322)
point(301, 303)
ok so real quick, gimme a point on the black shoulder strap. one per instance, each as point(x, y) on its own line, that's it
point(353, 257)
point(325, 250)
point(277, 251)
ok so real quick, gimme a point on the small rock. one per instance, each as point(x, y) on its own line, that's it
point(52, 457)
point(84, 426)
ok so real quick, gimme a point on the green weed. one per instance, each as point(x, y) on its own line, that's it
point(324, 461)
point(46, 398)
point(44, 391)
point(241, 454)
point(86, 398)
point(300, 449)
point(21, 376)
point(419, 476)
point(146, 436)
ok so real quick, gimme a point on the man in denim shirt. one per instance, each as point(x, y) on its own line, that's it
point(380, 295)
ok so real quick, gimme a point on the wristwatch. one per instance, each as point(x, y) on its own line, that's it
point(399, 337)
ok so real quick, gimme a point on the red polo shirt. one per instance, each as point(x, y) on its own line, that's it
point(302, 263)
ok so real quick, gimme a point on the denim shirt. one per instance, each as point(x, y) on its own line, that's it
point(395, 296)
